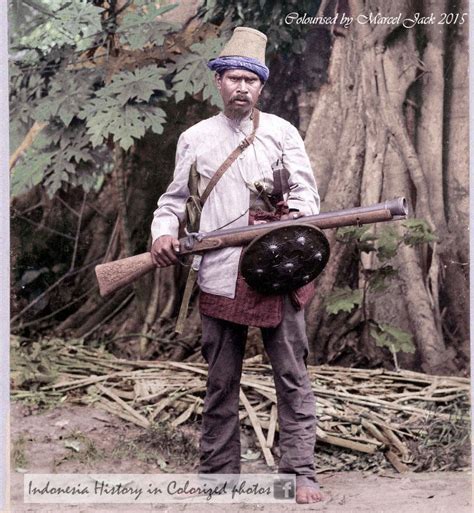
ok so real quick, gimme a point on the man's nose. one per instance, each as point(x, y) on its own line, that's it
point(243, 86)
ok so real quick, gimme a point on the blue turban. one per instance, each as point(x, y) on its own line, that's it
point(236, 62)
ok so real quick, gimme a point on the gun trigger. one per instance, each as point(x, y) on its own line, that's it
point(358, 223)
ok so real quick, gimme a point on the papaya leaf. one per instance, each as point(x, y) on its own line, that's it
point(192, 75)
point(71, 24)
point(386, 335)
point(417, 232)
point(78, 86)
point(140, 26)
point(343, 300)
point(139, 84)
point(124, 123)
point(30, 171)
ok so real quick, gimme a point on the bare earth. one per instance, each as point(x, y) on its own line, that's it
point(80, 439)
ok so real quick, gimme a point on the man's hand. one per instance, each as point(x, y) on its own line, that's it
point(163, 251)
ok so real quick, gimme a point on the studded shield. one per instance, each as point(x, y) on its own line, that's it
point(285, 259)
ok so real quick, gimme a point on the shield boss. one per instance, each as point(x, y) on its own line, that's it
point(285, 259)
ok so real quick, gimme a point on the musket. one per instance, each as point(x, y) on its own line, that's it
point(115, 275)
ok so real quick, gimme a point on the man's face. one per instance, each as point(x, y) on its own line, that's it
point(239, 90)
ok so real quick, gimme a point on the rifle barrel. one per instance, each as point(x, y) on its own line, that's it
point(385, 211)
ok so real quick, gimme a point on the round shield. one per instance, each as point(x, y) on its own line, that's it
point(285, 259)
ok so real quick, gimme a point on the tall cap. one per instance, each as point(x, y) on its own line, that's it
point(244, 50)
point(246, 42)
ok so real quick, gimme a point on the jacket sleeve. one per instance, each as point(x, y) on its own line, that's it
point(303, 195)
point(172, 204)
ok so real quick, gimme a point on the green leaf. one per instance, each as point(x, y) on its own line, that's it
point(386, 335)
point(351, 233)
point(136, 85)
point(343, 300)
point(71, 24)
point(30, 171)
point(378, 277)
point(387, 243)
point(124, 123)
point(417, 232)
point(140, 26)
point(66, 106)
point(192, 75)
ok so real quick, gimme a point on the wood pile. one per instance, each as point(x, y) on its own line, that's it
point(366, 418)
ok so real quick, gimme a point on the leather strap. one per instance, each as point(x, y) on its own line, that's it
point(231, 158)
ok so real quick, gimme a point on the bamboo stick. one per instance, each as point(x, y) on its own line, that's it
point(258, 429)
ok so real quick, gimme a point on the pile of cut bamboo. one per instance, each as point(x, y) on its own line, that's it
point(362, 414)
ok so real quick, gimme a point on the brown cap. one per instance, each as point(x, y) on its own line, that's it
point(246, 42)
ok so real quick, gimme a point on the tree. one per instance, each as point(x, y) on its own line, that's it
point(88, 173)
point(389, 102)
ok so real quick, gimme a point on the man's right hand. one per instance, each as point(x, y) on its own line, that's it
point(163, 251)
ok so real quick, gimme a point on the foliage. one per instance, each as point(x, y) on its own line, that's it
point(417, 232)
point(140, 26)
point(55, 79)
point(72, 148)
point(57, 24)
point(384, 245)
point(192, 75)
point(343, 300)
point(267, 16)
point(123, 109)
point(394, 338)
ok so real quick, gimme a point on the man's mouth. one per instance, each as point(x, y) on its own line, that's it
point(240, 100)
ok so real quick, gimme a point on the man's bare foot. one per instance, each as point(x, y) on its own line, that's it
point(308, 494)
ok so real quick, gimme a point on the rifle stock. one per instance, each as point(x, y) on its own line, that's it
point(115, 275)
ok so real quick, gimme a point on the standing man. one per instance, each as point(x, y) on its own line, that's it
point(271, 162)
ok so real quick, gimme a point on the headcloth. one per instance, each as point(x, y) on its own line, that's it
point(222, 64)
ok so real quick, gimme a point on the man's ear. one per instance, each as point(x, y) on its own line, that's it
point(218, 81)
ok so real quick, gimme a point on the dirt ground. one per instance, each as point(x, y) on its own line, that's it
point(81, 439)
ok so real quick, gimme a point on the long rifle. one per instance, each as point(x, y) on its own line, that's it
point(115, 275)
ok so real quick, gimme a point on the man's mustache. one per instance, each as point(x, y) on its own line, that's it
point(243, 98)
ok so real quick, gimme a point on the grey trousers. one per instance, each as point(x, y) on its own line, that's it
point(223, 348)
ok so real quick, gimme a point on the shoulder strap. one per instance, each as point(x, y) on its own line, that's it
point(231, 158)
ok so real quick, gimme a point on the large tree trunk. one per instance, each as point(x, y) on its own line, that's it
point(383, 65)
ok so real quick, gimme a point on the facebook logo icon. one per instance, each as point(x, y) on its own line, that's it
point(284, 489)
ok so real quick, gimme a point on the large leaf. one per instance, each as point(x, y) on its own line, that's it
point(30, 171)
point(120, 109)
point(67, 94)
point(378, 278)
point(108, 117)
point(72, 24)
point(135, 85)
point(193, 76)
point(140, 25)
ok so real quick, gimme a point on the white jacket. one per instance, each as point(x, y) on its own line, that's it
point(209, 143)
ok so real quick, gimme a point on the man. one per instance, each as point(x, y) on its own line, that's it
point(228, 306)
